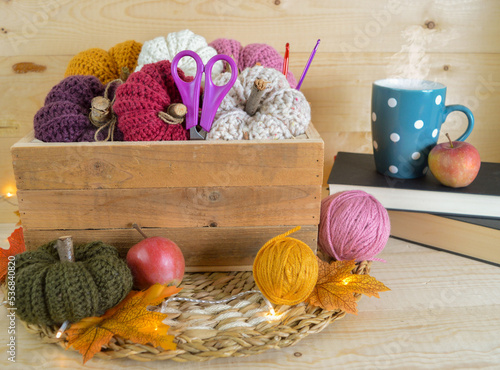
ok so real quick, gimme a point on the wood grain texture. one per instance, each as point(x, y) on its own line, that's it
point(441, 312)
point(204, 249)
point(168, 164)
point(35, 28)
point(170, 207)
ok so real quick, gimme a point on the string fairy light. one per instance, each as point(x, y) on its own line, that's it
point(271, 315)
point(6, 198)
point(62, 329)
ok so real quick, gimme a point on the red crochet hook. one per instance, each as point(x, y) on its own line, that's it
point(285, 60)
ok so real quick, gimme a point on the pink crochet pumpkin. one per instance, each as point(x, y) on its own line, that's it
point(248, 56)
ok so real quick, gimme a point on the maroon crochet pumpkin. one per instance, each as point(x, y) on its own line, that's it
point(65, 114)
point(139, 101)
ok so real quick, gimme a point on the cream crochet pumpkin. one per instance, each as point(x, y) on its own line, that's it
point(162, 48)
point(283, 112)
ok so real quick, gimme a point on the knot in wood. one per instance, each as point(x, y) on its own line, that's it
point(213, 224)
point(214, 196)
point(25, 67)
point(430, 24)
point(98, 167)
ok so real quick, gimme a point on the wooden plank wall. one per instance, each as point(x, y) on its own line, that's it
point(455, 42)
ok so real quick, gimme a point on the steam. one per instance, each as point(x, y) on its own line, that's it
point(413, 60)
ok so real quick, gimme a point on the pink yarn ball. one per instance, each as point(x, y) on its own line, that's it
point(353, 226)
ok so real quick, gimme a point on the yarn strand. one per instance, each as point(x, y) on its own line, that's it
point(284, 235)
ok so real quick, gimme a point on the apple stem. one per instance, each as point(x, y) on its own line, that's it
point(138, 228)
point(451, 142)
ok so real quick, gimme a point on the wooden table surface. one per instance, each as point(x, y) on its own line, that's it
point(443, 311)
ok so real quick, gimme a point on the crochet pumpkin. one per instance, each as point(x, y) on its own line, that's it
point(283, 112)
point(250, 55)
point(50, 292)
point(140, 101)
point(105, 65)
point(65, 114)
point(162, 48)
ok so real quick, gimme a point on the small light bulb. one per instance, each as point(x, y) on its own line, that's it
point(9, 194)
point(62, 329)
point(346, 280)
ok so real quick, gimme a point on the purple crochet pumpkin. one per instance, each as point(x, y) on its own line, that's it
point(65, 115)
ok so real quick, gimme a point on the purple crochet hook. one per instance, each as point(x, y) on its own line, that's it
point(307, 66)
point(213, 94)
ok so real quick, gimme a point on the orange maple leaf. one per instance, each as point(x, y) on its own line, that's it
point(130, 319)
point(16, 241)
point(337, 284)
point(18, 214)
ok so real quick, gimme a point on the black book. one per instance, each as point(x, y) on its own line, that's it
point(356, 171)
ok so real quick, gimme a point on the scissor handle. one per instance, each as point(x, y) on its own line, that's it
point(213, 94)
point(190, 91)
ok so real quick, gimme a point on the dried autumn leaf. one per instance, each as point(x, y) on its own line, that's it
point(16, 241)
point(18, 214)
point(337, 284)
point(130, 319)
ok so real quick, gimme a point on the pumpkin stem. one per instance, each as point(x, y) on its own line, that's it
point(64, 246)
point(101, 112)
point(124, 73)
point(258, 88)
point(174, 115)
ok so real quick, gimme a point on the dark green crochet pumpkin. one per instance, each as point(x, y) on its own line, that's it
point(49, 291)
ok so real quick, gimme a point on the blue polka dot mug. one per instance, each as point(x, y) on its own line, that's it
point(406, 119)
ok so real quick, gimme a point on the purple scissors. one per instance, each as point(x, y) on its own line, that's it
point(213, 94)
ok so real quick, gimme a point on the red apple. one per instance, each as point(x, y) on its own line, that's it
point(454, 164)
point(156, 260)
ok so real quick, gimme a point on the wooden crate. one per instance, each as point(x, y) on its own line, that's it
point(220, 201)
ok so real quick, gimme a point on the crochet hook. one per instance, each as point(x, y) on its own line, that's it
point(307, 65)
point(285, 60)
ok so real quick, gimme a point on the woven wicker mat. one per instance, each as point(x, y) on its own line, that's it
point(204, 331)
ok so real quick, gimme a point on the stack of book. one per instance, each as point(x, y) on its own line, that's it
point(464, 221)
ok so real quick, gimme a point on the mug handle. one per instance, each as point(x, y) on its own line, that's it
point(470, 118)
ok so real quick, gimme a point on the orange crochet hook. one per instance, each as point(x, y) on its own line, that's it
point(285, 60)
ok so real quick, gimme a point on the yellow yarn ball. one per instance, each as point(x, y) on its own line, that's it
point(105, 65)
point(285, 270)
